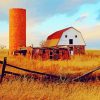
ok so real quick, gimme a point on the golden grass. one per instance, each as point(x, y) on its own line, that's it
point(24, 90)
point(18, 89)
point(78, 64)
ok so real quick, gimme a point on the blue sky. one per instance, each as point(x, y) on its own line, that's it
point(47, 16)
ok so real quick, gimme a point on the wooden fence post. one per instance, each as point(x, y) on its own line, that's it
point(3, 69)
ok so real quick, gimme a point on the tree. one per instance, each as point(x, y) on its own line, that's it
point(43, 43)
point(2, 46)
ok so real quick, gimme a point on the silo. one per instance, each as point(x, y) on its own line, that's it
point(17, 29)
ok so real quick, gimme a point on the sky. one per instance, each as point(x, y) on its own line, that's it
point(47, 16)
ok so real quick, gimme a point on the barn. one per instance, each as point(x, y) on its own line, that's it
point(68, 37)
point(46, 53)
point(59, 45)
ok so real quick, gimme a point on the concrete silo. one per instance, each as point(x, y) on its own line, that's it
point(17, 29)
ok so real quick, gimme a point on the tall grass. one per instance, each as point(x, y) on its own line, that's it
point(18, 89)
point(77, 65)
point(25, 90)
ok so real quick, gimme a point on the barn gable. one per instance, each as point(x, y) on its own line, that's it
point(63, 37)
point(53, 39)
point(71, 37)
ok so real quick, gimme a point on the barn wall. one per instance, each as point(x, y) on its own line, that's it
point(48, 53)
point(79, 49)
point(64, 54)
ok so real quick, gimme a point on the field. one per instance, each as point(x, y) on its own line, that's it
point(19, 89)
point(24, 90)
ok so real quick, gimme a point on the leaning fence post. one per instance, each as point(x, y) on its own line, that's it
point(3, 69)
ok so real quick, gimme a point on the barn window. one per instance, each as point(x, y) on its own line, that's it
point(43, 51)
point(65, 36)
point(57, 51)
point(50, 57)
point(75, 36)
point(50, 53)
point(70, 41)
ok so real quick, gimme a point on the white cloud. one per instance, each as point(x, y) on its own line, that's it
point(91, 36)
point(4, 40)
point(81, 18)
point(43, 9)
point(91, 33)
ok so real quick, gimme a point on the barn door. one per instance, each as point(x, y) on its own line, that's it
point(71, 51)
point(56, 54)
point(51, 54)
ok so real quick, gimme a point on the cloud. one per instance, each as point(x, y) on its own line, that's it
point(42, 9)
point(4, 37)
point(91, 33)
point(34, 39)
point(81, 18)
point(91, 36)
point(38, 11)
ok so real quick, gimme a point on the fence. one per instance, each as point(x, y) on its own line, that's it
point(4, 72)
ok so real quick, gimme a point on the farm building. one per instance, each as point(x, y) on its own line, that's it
point(68, 37)
point(59, 45)
point(44, 53)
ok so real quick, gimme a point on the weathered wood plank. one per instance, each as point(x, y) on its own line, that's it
point(31, 71)
point(3, 69)
point(86, 74)
point(1, 62)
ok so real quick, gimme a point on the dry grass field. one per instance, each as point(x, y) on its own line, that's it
point(17, 89)
point(24, 90)
point(77, 65)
